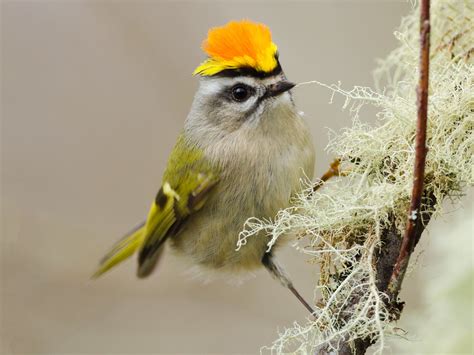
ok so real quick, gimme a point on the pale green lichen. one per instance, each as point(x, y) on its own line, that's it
point(340, 224)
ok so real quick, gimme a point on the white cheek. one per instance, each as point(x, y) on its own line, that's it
point(247, 105)
point(281, 101)
point(285, 98)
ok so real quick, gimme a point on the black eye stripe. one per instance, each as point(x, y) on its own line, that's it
point(256, 105)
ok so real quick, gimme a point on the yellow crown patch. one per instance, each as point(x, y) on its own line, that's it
point(239, 44)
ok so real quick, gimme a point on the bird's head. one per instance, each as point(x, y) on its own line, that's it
point(241, 81)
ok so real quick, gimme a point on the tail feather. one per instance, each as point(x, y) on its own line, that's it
point(121, 250)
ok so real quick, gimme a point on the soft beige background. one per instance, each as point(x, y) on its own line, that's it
point(93, 96)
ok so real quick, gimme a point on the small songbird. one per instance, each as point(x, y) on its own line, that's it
point(243, 152)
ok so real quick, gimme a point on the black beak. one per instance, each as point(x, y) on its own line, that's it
point(279, 88)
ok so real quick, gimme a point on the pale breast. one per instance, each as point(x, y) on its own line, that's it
point(259, 175)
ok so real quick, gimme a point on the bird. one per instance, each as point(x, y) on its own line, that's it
point(242, 153)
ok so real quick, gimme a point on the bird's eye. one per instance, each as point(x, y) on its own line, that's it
point(240, 93)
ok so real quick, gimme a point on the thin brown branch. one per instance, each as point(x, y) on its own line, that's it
point(409, 238)
point(330, 173)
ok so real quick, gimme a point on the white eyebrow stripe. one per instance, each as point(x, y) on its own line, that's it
point(211, 87)
point(215, 85)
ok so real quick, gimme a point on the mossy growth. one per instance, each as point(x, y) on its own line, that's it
point(340, 225)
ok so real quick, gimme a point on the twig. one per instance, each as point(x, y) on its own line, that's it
point(409, 239)
point(330, 173)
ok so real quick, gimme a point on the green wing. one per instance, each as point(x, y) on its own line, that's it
point(187, 182)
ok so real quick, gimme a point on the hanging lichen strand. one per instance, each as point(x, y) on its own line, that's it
point(341, 225)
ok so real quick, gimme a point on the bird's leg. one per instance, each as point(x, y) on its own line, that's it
point(279, 273)
point(274, 268)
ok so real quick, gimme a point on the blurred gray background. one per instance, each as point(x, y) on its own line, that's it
point(94, 94)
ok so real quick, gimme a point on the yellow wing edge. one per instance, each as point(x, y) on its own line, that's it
point(121, 250)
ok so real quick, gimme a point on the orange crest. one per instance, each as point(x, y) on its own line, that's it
point(242, 44)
